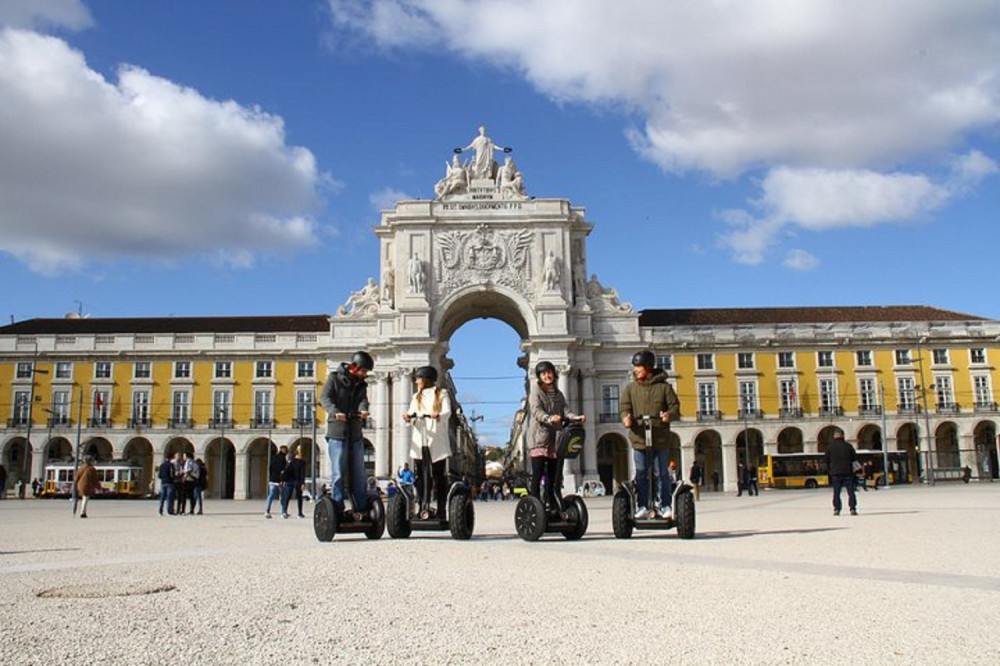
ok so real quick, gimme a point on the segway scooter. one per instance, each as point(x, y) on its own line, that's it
point(458, 514)
point(625, 503)
point(327, 523)
point(569, 516)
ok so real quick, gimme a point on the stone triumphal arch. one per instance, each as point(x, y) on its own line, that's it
point(483, 248)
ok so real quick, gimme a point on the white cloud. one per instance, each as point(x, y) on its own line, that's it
point(141, 167)
point(69, 14)
point(800, 260)
point(386, 198)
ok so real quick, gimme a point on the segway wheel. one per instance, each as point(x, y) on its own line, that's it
point(397, 517)
point(461, 517)
point(376, 512)
point(325, 519)
point(685, 516)
point(621, 516)
point(576, 511)
point(529, 518)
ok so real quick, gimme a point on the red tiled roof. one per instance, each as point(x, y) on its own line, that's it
point(799, 315)
point(99, 326)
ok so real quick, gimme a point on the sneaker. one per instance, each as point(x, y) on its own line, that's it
point(267, 515)
point(302, 515)
point(836, 512)
point(641, 513)
point(854, 512)
point(284, 515)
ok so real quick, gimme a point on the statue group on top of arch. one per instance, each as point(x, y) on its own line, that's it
point(460, 176)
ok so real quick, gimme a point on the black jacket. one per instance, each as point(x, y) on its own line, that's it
point(346, 394)
point(275, 473)
point(295, 472)
point(166, 472)
point(840, 457)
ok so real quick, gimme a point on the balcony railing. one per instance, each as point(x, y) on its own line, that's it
point(58, 422)
point(908, 409)
point(709, 415)
point(870, 410)
point(220, 423)
point(790, 412)
point(947, 408)
point(751, 414)
point(138, 422)
point(986, 406)
point(608, 417)
point(302, 423)
point(17, 422)
point(179, 423)
point(99, 422)
point(261, 423)
point(831, 411)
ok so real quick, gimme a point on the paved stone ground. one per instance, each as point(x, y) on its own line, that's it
point(776, 579)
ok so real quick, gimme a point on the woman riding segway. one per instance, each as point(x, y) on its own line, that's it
point(430, 448)
point(345, 399)
point(548, 417)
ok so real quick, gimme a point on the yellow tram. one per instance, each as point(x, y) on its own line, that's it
point(118, 479)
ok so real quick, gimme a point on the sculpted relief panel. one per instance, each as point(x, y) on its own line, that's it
point(484, 256)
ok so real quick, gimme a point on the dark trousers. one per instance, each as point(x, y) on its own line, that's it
point(844, 481)
point(288, 488)
point(438, 481)
point(548, 467)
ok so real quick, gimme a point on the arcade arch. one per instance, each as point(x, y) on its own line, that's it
point(870, 437)
point(99, 449)
point(220, 459)
point(612, 461)
point(946, 445)
point(139, 451)
point(708, 451)
point(790, 441)
point(984, 435)
point(58, 449)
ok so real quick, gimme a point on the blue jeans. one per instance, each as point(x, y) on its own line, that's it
point(167, 495)
point(661, 458)
point(337, 451)
point(273, 490)
point(844, 481)
point(196, 498)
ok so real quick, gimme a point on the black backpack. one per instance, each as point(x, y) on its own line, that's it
point(202, 476)
point(569, 441)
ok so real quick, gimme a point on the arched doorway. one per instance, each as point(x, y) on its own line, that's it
point(946, 445)
point(985, 437)
point(99, 449)
point(708, 451)
point(825, 437)
point(756, 440)
point(14, 455)
point(58, 449)
point(220, 459)
point(139, 451)
point(870, 438)
point(612, 461)
point(369, 460)
point(907, 440)
point(257, 459)
point(790, 441)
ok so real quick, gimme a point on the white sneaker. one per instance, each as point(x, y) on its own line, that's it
point(641, 513)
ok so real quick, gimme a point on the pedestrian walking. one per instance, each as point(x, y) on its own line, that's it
point(87, 483)
point(840, 461)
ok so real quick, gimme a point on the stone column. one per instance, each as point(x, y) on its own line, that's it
point(729, 466)
point(402, 391)
point(589, 407)
point(241, 490)
point(687, 459)
point(37, 466)
point(383, 424)
point(571, 468)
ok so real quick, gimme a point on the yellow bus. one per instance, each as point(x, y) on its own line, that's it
point(808, 470)
point(118, 479)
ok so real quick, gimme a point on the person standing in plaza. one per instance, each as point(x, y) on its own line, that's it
point(178, 483)
point(275, 477)
point(200, 484)
point(295, 476)
point(548, 411)
point(345, 398)
point(430, 412)
point(3, 482)
point(840, 459)
point(649, 394)
point(167, 489)
point(696, 475)
point(87, 483)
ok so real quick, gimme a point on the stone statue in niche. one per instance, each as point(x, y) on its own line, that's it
point(388, 285)
point(416, 275)
point(552, 272)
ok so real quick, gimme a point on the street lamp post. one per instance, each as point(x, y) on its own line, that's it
point(885, 441)
point(76, 456)
point(26, 467)
point(927, 420)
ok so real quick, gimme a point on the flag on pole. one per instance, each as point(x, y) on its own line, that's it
point(792, 397)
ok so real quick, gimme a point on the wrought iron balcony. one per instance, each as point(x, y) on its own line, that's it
point(870, 410)
point(61, 421)
point(831, 411)
point(220, 423)
point(302, 423)
point(908, 409)
point(709, 415)
point(751, 414)
point(790, 412)
point(17, 422)
point(261, 423)
point(139, 422)
point(179, 423)
point(947, 408)
point(986, 407)
point(99, 422)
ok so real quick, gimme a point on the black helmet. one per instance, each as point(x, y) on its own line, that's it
point(363, 359)
point(427, 373)
point(644, 358)
point(542, 366)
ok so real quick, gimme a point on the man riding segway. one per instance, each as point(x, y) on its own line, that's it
point(345, 399)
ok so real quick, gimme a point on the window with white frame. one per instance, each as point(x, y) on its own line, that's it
point(304, 401)
point(864, 358)
point(706, 398)
point(982, 391)
point(903, 357)
point(706, 362)
point(867, 396)
point(264, 370)
point(305, 369)
point(977, 355)
point(102, 370)
point(609, 403)
point(906, 395)
point(744, 361)
point(748, 397)
point(180, 409)
point(788, 394)
point(262, 405)
point(944, 392)
point(23, 370)
point(60, 406)
point(64, 370)
point(140, 407)
point(828, 395)
point(182, 370)
point(142, 370)
point(223, 369)
point(824, 359)
point(102, 407)
point(940, 356)
point(665, 362)
point(786, 359)
point(222, 409)
point(22, 405)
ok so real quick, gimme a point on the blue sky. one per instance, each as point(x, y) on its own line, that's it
point(229, 158)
